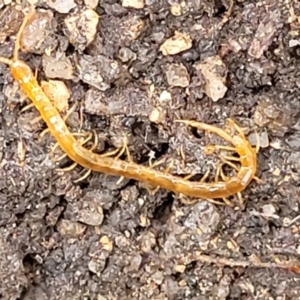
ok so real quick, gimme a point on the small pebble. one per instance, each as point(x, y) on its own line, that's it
point(58, 66)
point(157, 115)
point(91, 3)
point(70, 229)
point(62, 6)
point(176, 44)
point(177, 75)
point(82, 28)
point(138, 4)
point(214, 72)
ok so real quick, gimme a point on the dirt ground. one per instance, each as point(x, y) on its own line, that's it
point(132, 68)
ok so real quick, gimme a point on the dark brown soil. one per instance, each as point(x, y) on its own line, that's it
point(103, 238)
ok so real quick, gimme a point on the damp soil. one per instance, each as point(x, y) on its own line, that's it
point(129, 69)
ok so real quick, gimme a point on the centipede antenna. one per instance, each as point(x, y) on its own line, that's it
point(6, 61)
point(27, 17)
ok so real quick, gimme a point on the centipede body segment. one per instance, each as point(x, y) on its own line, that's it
point(74, 149)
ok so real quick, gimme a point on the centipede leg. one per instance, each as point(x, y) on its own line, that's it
point(27, 107)
point(65, 155)
point(187, 177)
point(209, 149)
point(124, 149)
point(220, 173)
point(67, 169)
point(73, 166)
point(233, 125)
point(205, 176)
point(154, 190)
point(157, 163)
point(169, 167)
point(228, 158)
point(225, 161)
point(187, 201)
point(35, 120)
point(84, 176)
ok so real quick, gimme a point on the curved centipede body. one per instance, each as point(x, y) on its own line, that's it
point(22, 73)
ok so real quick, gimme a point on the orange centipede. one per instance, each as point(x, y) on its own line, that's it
point(23, 74)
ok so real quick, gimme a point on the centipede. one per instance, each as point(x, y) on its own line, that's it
point(105, 163)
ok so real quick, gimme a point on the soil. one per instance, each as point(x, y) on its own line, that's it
point(132, 68)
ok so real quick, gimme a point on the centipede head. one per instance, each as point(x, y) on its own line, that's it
point(21, 72)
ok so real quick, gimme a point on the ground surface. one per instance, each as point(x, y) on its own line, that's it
point(105, 239)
